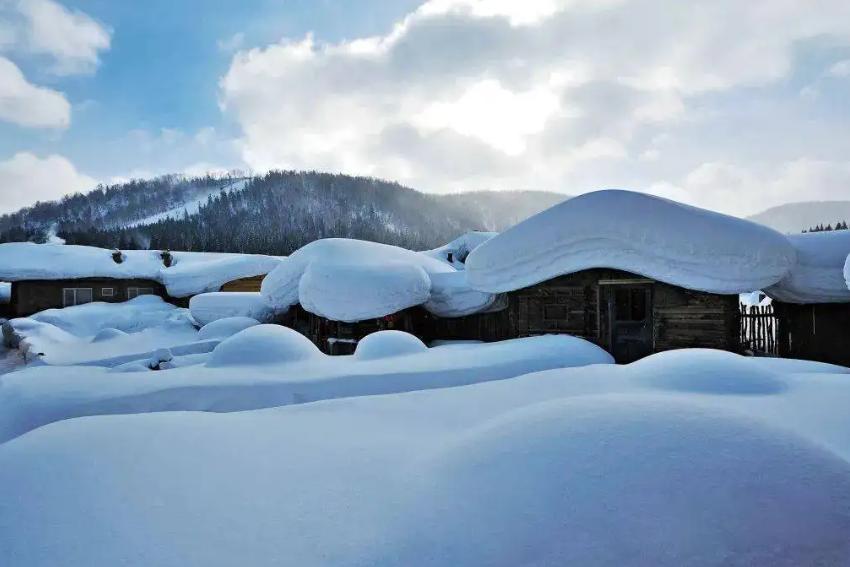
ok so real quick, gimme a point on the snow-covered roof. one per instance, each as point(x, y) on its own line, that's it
point(460, 248)
point(189, 273)
point(819, 274)
point(638, 233)
point(352, 280)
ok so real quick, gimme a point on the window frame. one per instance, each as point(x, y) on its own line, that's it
point(75, 292)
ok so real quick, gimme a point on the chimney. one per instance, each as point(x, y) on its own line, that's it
point(167, 258)
point(117, 256)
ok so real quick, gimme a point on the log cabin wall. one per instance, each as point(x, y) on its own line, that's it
point(251, 284)
point(578, 304)
point(814, 332)
point(32, 296)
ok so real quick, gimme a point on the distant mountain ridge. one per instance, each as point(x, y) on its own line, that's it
point(794, 218)
point(273, 213)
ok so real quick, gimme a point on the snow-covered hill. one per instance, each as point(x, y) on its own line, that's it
point(796, 217)
point(274, 213)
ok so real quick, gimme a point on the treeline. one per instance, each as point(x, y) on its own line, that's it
point(841, 225)
point(283, 210)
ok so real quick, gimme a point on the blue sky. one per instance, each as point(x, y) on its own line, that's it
point(728, 105)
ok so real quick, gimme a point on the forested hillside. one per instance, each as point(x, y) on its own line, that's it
point(274, 213)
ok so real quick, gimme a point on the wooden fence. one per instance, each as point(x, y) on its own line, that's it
point(759, 330)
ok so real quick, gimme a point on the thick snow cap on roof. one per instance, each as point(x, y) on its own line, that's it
point(460, 248)
point(351, 280)
point(638, 233)
point(189, 274)
point(818, 276)
point(355, 292)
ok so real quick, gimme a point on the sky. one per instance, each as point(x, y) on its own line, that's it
point(734, 106)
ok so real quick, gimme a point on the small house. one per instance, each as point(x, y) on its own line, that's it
point(812, 303)
point(45, 276)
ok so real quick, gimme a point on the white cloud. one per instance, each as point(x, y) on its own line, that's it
point(232, 43)
point(840, 69)
point(552, 94)
point(72, 38)
point(734, 188)
point(26, 178)
point(28, 105)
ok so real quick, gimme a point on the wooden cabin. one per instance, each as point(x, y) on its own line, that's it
point(627, 315)
point(32, 296)
point(815, 331)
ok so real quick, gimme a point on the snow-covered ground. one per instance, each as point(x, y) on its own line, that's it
point(261, 450)
point(690, 457)
point(98, 331)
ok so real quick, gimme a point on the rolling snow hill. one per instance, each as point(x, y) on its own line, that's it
point(797, 217)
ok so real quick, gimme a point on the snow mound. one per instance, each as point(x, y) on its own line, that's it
point(386, 344)
point(637, 233)
point(365, 260)
point(261, 345)
point(363, 291)
point(107, 334)
point(208, 307)
point(460, 247)
point(606, 480)
point(818, 276)
point(706, 371)
point(452, 296)
point(227, 327)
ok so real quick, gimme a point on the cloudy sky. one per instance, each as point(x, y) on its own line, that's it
point(730, 105)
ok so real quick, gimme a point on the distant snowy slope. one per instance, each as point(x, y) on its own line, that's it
point(193, 202)
point(275, 213)
point(796, 217)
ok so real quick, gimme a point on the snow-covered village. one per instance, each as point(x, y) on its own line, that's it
point(444, 283)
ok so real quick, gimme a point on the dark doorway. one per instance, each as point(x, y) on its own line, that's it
point(630, 312)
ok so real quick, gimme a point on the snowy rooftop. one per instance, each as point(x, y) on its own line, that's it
point(354, 280)
point(818, 276)
point(190, 272)
point(638, 233)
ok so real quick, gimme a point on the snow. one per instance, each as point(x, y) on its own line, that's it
point(264, 344)
point(209, 307)
point(45, 394)
point(452, 296)
point(818, 276)
point(638, 233)
point(385, 344)
point(460, 248)
point(227, 327)
point(351, 280)
point(190, 272)
point(354, 292)
point(5, 292)
point(199, 273)
point(191, 206)
point(100, 331)
point(587, 465)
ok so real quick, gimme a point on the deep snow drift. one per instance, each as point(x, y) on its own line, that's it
point(638, 233)
point(818, 276)
point(96, 331)
point(593, 465)
point(209, 307)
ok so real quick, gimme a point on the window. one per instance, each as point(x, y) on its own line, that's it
point(133, 292)
point(76, 296)
point(107, 292)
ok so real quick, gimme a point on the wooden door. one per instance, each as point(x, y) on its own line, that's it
point(630, 321)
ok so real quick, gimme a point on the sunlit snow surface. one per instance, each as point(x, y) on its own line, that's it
point(531, 452)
